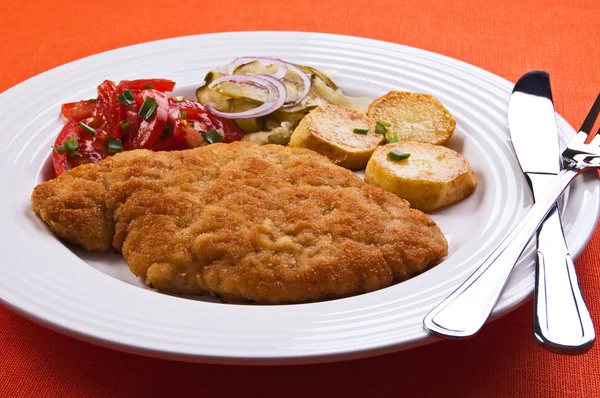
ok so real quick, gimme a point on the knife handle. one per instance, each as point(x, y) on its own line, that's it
point(562, 323)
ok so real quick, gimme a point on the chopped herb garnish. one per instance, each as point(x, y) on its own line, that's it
point(114, 145)
point(385, 124)
point(397, 155)
point(124, 127)
point(90, 130)
point(212, 136)
point(381, 129)
point(392, 137)
point(69, 147)
point(150, 87)
point(179, 98)
point(361, 130)
point(148, 108)
point(183, 115)
point(126, 98)
point(167, 131)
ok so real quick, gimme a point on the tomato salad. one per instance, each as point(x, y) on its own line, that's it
point(135, 114)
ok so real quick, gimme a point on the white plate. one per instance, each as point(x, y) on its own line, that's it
point(94, 297)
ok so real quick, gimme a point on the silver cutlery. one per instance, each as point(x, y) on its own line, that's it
point(465, 311)
point(562, 323)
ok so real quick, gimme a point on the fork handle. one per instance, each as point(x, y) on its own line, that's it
point(562, 323)
point(465, 311)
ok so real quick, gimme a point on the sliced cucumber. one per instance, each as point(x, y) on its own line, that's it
point(247, 125)
point(243, 90)
point(293, 118)
point(312, 71)
point(332, 96)
point(255, 68)
point(279, 136)
point(207, 96)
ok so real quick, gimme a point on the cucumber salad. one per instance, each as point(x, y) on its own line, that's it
point(267, 97)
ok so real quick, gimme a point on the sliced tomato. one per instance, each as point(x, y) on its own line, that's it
point(150, 130)
point(60, 160)
point(162, 85)
point(196, 111)
point(109, 109)
point(78, 110)
point(105, 114)
point(186, 135)
point(134, 121)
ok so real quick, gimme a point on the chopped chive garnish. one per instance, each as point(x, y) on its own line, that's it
point(148, 108)
point(167, 130)
point(392, 137)
point(381, 129)
point(90, 130)
point(124, 127)
point(398, 155)
point(179, 98)
point(69, 147)
point(361, 130)
point(126, 98)
point(114, 145)
point(149, 86)
point(385, 124)
point(212, 136)
point(183, 115)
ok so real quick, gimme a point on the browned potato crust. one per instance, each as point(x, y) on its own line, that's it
point(414, 116)
point(432, 177)
point(329, 130)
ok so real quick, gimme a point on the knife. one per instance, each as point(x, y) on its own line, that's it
point(562, 323)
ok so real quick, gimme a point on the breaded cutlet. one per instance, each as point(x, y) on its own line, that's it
point(265, 224)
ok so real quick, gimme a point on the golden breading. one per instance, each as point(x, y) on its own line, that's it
point(431, 178)
point(329, 130)
point(414, 116)
point(268, 224)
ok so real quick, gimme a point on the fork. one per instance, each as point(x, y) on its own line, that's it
point(465, 311)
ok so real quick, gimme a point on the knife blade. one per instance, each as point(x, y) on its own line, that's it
point(562, 323)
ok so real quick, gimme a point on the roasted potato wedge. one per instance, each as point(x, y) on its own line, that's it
point(329, 130)
point(415, 117)
point(431, 178)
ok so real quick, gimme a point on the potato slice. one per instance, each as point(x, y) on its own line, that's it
point(432, 177)
point(415, 117)
point(329, 130)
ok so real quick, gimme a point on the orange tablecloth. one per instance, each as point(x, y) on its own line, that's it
point(506, 37)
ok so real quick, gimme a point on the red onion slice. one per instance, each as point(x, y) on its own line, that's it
point(275, 99)
point(282, 67)
point(276, 61)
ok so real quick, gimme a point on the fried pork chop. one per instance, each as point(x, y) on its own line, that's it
point(265, 224)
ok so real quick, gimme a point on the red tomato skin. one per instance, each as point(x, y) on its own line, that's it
point(150, 130)
point(106, 113)
point(186, 135)
point(163, 85)
point(109, 108)
point(59, 160)
point(196, 111)
point(78, 110)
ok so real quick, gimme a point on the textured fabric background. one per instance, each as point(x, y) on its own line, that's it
point(506, 37)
